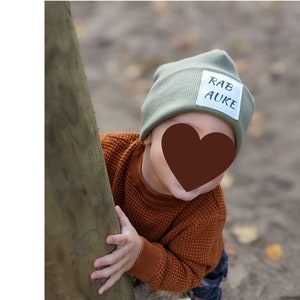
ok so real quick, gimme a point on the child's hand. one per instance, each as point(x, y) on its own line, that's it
point(128, 244)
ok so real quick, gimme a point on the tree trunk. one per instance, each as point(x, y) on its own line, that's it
point(79, 208)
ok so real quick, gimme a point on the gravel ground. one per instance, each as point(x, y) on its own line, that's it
point(122, 43)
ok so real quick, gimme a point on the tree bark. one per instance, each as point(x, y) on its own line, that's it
point(79, 208)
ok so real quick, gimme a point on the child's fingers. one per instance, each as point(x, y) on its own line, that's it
point(124, 221)
point(105, 260)
point(101, 261)
point(117, 239)
point(109, 259)
point(108, 271)
point(109, 282)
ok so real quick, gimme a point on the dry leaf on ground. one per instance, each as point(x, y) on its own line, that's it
point(256, 126)
point(231, 249)
point(274, 252)
point(245, 234)
point(243, 64)
point(227, 180)
point(79, 28)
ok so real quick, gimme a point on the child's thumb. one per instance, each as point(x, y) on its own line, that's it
point(124, 221)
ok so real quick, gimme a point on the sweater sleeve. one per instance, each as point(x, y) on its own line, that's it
point(181, 264)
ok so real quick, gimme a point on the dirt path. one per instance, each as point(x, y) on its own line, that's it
point(123, 42)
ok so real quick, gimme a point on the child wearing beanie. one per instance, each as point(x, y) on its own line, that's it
point(166, 179)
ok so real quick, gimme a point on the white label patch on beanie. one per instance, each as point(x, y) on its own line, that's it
point(220, 92)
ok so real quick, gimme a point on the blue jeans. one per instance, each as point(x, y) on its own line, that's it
point(210, 287)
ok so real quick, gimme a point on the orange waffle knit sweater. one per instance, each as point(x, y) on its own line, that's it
point(182, 240)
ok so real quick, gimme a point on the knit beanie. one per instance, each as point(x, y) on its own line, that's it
point(208, 82)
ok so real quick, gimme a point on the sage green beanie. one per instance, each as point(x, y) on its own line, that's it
point(208, 82)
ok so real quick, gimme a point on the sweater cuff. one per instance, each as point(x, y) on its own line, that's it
point(148, 261)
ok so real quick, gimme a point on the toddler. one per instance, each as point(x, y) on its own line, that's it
point(172, 218)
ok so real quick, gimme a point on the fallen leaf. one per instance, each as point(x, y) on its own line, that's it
point(227, 180)
point(237, 45)
point(112, 67)
point(279, 68)
point(188, 42)
point(230, 249)
point(137, 87)
point(79, 28)
point(256, 126)
point(274, 252)
point(268, 5)
point(246, 234)
point(134, 71)
point(151, 62)
point(162, 8)
point(243, 65)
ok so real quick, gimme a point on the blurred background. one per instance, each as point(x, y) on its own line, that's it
point(122, 44)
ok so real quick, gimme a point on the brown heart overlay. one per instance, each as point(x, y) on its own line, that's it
point(196, 161)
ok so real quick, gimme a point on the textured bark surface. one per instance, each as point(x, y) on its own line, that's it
point(79, 209)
